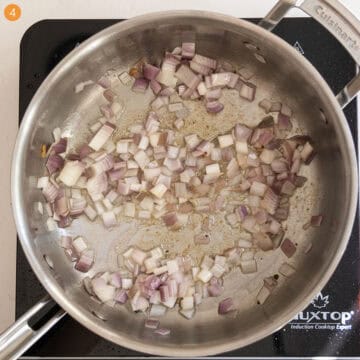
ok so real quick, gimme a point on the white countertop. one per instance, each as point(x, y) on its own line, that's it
point(11, 33)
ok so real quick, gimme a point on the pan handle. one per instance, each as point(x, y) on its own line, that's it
point(337, 19)
point(30, 327)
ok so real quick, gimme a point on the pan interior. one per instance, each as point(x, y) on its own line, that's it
point(283, 77)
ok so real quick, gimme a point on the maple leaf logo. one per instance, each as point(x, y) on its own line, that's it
point(320, 301)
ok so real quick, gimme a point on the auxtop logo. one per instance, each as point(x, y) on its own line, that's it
point(320, 301)
point(321, 319)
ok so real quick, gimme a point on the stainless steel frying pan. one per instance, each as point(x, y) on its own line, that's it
point(282, 73)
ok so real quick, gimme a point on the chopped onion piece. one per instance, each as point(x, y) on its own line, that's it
point(258, 188)
point(71, 172)
point(138, 256)
point(279, 166)
point(139, 303)
point(206, 61)
point(152, 324)
point(288, 248)
point(166, 75)
point(142, 159)
point(214, 94)
point(42, 182)
point(204, 275)
point(150, 71)
point(262, 295)
point(213, 169)
point(288, 188)
point(248, 267)
point(66, 242)
point(200, 69)
point(307, 153)
point(175, 107)
point(159, 190)
point(187, 314)
point(286, 269)
point(192, 142)
point(127, 283)
point(121, 296)
point(79, 244)
point(160, 270)
point(140, 85)
point(188, 50)
point(225, 141)
point(179, 123)
point(104, 82)
point(125, 78)
point(129, 209)
point(90, 212)
point(245, 73)
point(157, 310)
point(232, 219)
point(102, 136)
point(162, 331)
point(267, 156)
point(218, 271)
point(285, 110)
point(225, 306)
point(247, 91)
point(242, 132)
point(316, 220)
point(159, 102)
point(155, 86)
point(187, 303)
point(77, 206)
point(57, 134)
point(263, 241)
point(51, 224)
point(54, 163)
point(109, 95)
point(284, 122)
point(185, 75)
point(201, 89)
point(106, 111)
point(243, 243)
point(247, 255)
point(266, 105)
point(270, 201)
point(50, 192)
point(109, 219)
point(221, 79)
point(86, 261)
point(202, 239)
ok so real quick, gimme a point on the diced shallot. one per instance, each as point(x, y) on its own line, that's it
point(71, 172)
point(162, 331)
point(288, 247)
point(102, 136)
point(316, 220)
point(225, 306)
point(85, 262)
point(214, 106)
point(286, 269)
point(247, 91)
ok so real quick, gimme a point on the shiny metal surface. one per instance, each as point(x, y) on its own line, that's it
point(343, 25)
point(20, 336)
point(276, 14)
point(286, 75)
point(346, 29)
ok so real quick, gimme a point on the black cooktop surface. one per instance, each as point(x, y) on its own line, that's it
point(330, 326)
